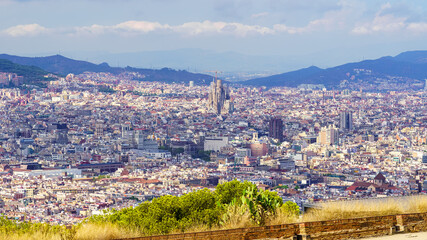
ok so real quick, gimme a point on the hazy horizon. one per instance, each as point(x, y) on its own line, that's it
point(323, 33)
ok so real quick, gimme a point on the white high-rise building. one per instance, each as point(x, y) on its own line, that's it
point(328, 135)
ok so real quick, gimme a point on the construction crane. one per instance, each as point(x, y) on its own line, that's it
point(216, 73)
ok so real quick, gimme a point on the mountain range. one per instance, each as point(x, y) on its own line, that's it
point(61, 65)
point(197, 60)
point(406, 69)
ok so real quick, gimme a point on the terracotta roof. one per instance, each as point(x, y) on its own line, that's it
point(359, 186)
point(380, 177)
point(363, 186)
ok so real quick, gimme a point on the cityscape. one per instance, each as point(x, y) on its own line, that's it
point(74, 151)
point(212, 120)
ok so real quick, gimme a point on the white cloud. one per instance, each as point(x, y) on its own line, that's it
point(93, 29)
point(389, 23)
point(332, 20)
point(25, 30)
point(129, 27)
point(384, 7)
point(287, 29)
point(188, 28)
point(384, 23)
point(140, 26)
point(208, 27)
point(143, 27)
point(417, 27)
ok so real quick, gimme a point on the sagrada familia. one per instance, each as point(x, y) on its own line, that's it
point(219, 98)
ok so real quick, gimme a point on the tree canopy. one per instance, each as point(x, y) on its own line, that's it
point(205, 208)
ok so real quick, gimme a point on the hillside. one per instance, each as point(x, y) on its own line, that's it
point(412, 56)
point(30, 74)
point(61, 65)
point(290, 79)
point(405, 71)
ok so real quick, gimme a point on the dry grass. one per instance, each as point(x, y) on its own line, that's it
point(27, 236)
point(196, 228)
point(417, 204)
point(238, 217)
point(282, 218)
point(105, 231)
point(366, 208)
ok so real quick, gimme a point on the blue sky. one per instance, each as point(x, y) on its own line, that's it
point(344, 30)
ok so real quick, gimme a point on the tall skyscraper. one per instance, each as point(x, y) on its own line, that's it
point(328, 135)
point(346, 121)
point(61, 133)
point(99, 129)
point(219, 98)
point(276, 128)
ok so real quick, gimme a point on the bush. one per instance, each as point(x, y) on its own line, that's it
point(168, 214)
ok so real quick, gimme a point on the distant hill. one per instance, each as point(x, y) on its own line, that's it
point(412, 56)
point(169, 75)
point(61, 65)
point(200, 60)
point(408, 69)
point(30, 74)
point(290, 79)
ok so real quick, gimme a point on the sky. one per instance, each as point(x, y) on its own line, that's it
point(321, 32)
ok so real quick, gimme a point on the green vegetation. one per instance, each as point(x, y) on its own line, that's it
point(282, 187)
point(106, 89)
point(199, 210)
point(31, 74)
point(202, 208)
point(233, 204)
point(204, 155)
point(176, 151)
point(100, 177)
point(21, 229)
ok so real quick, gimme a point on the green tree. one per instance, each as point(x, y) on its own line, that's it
point(261, 204)
point(205, 208)
point(176, 151)
point(168, 213)
point(234, 189)
point(290, 209)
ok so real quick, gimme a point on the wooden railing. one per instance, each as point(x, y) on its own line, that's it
point(321, 230)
